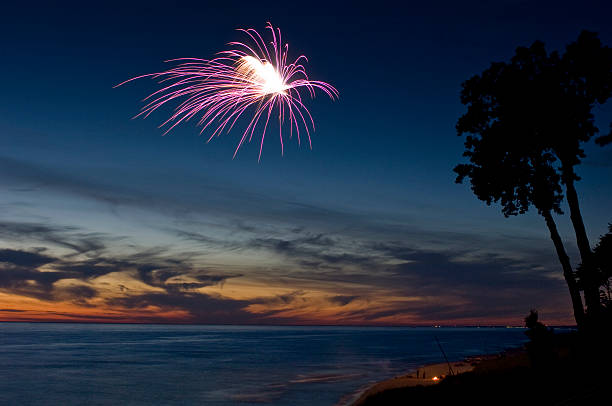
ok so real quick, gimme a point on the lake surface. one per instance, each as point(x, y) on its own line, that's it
point(108, 364)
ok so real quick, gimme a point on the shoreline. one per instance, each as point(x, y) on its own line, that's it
point(430, 374)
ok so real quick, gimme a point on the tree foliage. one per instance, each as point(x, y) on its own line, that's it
point(527, 117)
point(602, 259)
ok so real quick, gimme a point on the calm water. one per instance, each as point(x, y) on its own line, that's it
point(106, 364)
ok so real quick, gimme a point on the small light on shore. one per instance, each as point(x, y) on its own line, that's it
point(435, 378)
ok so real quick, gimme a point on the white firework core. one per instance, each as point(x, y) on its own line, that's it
point(262, 75)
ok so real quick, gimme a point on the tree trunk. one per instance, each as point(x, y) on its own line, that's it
point(567, 268)
point(588, 278)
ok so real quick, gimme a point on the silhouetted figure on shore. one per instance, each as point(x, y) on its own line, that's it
point(540, 346)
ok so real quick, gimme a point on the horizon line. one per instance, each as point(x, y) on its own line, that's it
point(282, 325)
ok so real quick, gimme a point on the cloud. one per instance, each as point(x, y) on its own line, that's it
point(451, 269)
point(167, 273)
point(62, 236)
point(467, 284)
point(283, 299)
point(32, 177)
point(313, 251)
point(342, 300)
point(21, 273)
point(202, 308)
point(30, 283)
point(395, 279)
point(394, 266)
point(77, 294)
point(205, 240)
point(24, 258)
point(175, 199)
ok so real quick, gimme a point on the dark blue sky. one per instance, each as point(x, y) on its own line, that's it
point(370, 211)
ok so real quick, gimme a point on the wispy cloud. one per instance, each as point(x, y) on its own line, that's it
point(194, 257)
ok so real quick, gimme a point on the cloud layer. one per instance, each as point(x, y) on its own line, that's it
point(126, 256)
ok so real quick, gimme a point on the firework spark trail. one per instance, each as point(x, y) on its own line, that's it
point(249, 77)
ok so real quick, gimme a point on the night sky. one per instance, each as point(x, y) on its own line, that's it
point(104, 219)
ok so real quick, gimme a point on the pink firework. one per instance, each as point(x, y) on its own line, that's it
point(219, 91)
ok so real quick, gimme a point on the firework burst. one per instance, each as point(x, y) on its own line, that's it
point(252, 77)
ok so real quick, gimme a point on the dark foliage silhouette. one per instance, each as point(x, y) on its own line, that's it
point(602, 263)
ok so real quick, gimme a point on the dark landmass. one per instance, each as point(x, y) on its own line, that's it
point(562, 372)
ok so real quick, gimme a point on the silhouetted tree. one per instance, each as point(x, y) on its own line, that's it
point(525, 123)
point(505, 164)
point(517, 181)
point(584, 79)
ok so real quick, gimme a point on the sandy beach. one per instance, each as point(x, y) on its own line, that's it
point(432, 374)
point(561, 373)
